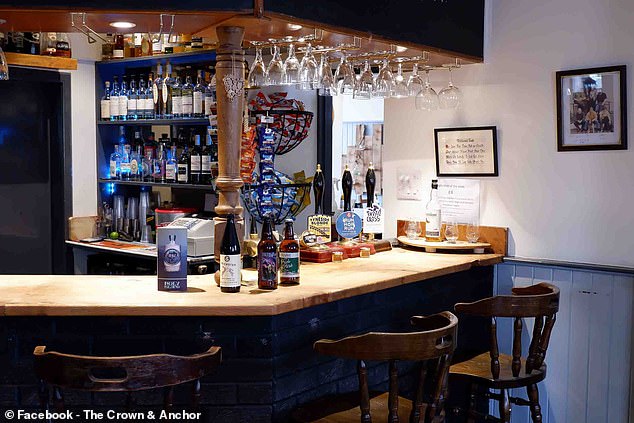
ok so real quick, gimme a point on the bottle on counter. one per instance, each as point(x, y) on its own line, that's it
point(195, 162)
point(171, 166)
point(114, 99)
point(115, 163)
point(105, 102)
point(432, 215)
point(267, 257)
point(230, 258)
point(289, 256)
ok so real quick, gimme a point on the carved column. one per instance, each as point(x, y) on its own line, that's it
point(229, 61)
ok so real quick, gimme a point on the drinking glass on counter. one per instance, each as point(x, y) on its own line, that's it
point(413, 230)
point(473, 231)
point(451, 231)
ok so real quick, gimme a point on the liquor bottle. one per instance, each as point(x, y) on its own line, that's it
point(123, 100)
point(126, 166)
point(136, 165)
point(158, 168)
point(105, 103)
point(146, 45)
point(230, 258)
point(149, 98)
point(210, 96)
point(183, 166)
point(289, 256)
point(195, 162)
point(141, 98)
point(157, 92)
point(267, 257)
point(138, 140)
point(107, 48)
point(115, 163)
point(432, 215)
point(177, 102)
point(171, 166)
point(150, 146)
point(133, 96)
point(205, 162)
point(117, 53)
point(187, 97)
point(167, 92)
point(199, 95)
point(114, 99)
point(146, 166)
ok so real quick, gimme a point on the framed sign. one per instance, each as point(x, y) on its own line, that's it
point(592, 109)
point(466, 151)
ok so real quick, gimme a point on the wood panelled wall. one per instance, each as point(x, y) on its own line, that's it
point(589, 360)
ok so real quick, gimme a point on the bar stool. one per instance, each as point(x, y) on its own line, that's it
point(502, 372)
point(433, 346)
point(121, 374)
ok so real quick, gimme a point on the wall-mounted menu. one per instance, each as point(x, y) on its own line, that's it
point(466, 151)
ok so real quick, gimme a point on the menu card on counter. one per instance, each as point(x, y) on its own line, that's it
point(459, 199)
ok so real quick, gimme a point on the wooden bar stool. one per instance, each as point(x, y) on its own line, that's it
point(121, 374)
point(502, 372)
point(433, 346)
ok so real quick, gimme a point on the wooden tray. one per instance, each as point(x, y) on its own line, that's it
point(431, 247)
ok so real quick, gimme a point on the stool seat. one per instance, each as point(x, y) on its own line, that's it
point(346, 409)
point(479, 367)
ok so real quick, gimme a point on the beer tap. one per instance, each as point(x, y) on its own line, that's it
point(319, 183)
point(346, 186)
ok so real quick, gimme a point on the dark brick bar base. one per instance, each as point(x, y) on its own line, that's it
point(268, 364)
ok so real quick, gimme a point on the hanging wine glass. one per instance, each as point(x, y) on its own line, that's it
point(400, 89)
point(450, 97)
point(309, 70)
point(257, 73)
point(384, 83)
point(327, 86)
point(4, 67)
point(291, 67)
point(365, 84)
point(275, 73)
point(427, 99)
point(344, 77)
point(415, 82)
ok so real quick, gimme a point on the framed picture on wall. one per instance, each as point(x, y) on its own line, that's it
point(466, 151)
point(592, 109)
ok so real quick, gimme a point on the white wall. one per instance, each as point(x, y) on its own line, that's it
point(574, 206)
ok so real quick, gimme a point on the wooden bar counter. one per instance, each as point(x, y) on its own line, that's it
point(268, 364)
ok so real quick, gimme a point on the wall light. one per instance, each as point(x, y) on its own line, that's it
point(122, 24)
point(294, 27)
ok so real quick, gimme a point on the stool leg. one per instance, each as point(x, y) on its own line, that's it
point(472, 404)
point(43, 394)
point(533, 397)
point(505, 406)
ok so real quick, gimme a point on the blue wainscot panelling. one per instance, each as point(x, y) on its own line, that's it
point(589, 358)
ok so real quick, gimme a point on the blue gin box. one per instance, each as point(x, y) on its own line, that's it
point(171, 261)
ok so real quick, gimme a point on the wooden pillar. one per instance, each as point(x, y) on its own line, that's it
point(229, 63)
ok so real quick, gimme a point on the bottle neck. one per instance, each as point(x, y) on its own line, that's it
point(434, 194)
point(267, 230)
point(288, 232)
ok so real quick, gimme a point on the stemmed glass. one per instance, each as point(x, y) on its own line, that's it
point(451, 231)
point(427, 99)
point(450, 97)
point(384, 84)
point(365, 84)
point(257, 73)
point(415, 82)
point(400, 89)
point(326, 80)
point(473, 231)
point(291, 67)
point(344, 76)
point(309, 70)
point(275, 72)
point(4, 67)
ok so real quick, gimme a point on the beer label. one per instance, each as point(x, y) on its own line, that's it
point(320, 225)
point(432, 224)
point(267, 269)
point(289, 264)
point(105, 109)
point(349, 224)
point(230, 266)
point(373, 220)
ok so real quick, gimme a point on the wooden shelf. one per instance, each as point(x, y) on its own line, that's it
point(147, 122)
point(35, 61)
point(159, 184)
point(204, 53)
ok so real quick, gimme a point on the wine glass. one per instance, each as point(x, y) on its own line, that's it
point(415, 83)
point(427, 99)
point(257, 73)
point(326, 79)
point(344, 77)
point(291, 67)
point(275, 72)
point(400, 89)
point(451, 231)
point(413, 230)
point(473, 231)
point(309, 70)
point(365, 84)
point(384, 84)
point(450, 97)
point(4, 67)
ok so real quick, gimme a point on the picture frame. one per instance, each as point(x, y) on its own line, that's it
point(467, 151)
point(592, 109)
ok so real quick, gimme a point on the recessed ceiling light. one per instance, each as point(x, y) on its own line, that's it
point(122, 24)
point(294, 27)
point(401, 49)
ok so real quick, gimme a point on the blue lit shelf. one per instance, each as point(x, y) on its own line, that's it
point(211, 187)
point(148, 122)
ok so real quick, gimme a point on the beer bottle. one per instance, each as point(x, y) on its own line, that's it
point(289, 256)
point(267, 258)
point(230, 259)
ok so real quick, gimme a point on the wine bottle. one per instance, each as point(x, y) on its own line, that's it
point(230, 258)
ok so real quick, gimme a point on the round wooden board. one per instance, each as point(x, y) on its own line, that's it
point(431, 247)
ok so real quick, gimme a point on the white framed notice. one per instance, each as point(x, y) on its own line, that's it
point(466, 151)
point(459, 200)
